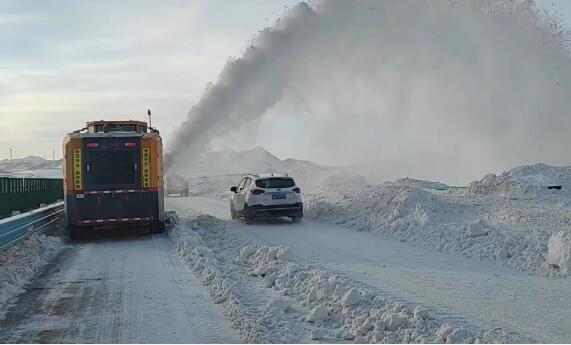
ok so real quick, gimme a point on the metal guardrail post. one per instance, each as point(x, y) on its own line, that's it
point(17, 228)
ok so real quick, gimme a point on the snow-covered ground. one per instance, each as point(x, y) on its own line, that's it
point(272, 293)
point(19, 263)
point(507, 220)
point(456, 290)
point(402, 261)
point(116, 289)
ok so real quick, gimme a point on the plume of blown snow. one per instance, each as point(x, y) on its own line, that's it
point(459, 87)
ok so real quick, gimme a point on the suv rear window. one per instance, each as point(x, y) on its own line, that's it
point(275, 182)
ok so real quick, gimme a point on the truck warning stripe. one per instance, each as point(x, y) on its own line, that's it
point(114, 220)
point(77, 173)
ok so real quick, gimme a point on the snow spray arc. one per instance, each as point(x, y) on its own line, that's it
point(477, 84)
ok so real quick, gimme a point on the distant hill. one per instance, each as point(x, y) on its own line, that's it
point(257, 160)
point(32, 166)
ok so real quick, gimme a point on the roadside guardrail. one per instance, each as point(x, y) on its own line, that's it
point(17, 228)
point(25, 194)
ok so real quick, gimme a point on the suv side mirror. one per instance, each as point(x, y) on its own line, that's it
point(234, 189)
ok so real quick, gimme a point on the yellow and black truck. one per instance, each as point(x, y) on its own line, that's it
point(113, 177)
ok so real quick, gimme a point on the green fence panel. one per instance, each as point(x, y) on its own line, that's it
point(24, 194)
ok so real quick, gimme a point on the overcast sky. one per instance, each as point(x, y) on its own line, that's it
point(63, 63)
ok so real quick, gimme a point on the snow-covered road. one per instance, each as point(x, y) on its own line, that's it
point(484, 294)
point(117, 290)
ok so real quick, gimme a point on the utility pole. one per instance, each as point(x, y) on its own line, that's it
point(53, 154)
point(10, 153)
point(149, 113)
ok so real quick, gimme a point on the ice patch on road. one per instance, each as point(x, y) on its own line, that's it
point(19, 263)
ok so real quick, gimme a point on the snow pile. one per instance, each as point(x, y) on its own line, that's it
point(560, 251)
point(208, 249)
point(390, 206)
point(208, 269)
point(448, 222)
point(269, 295)
point(19, 263)
point(522, 180)
point(340, 309)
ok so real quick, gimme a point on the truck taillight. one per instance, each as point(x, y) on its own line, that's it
point(92, 145)
point(130, 144)
point(256, 191)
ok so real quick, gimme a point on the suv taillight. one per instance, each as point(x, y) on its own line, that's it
point(256, 191)
point(297, 190)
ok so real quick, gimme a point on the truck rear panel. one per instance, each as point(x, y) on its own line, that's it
point(113, 179)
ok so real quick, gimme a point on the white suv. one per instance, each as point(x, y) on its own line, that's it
point(266, 196)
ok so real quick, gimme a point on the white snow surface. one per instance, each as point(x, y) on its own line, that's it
point(506, 219)
point(528, 179)
point(511, 231)
point(218, 258)
point(560, 251)
point(305, 301)
point(19, 263)
point(483, 294)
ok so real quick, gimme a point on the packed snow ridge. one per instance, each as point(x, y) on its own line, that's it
point(304, 302)
point(507, 219)
point(529, 179)
point(19, 263)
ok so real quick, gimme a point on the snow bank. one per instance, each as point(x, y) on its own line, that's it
point(527, 179)
point(514, 233)
point(19, 263)
point(209, 250)
point(560, 251)
point(269, 295)
point(341, 309)
point(389, 205)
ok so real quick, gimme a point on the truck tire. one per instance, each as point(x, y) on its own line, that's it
point(296, 219)
point(73, 232)
point(157, 227)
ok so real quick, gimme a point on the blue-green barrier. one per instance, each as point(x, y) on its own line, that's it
point(17, 228)
point(24, 194)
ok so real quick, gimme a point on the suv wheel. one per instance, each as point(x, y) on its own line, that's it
point(233, 214)
point(248, 218)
